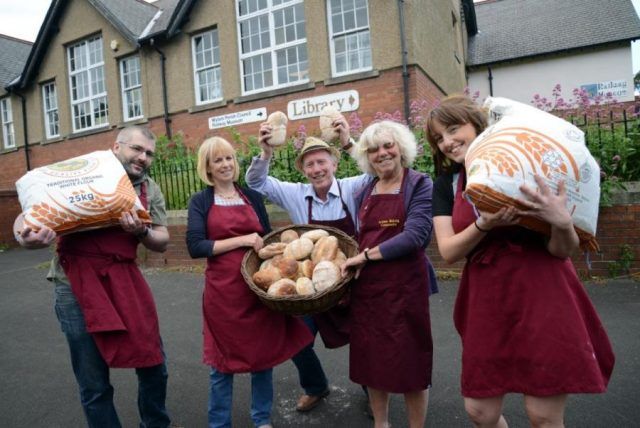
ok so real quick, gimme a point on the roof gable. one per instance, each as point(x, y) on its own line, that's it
point(13, 56)
point(129, 17)
point(511, 29)
point(134, 19)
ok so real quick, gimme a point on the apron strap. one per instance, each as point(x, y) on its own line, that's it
point(310, 200)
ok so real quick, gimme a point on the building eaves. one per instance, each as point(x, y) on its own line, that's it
point(516, 29)
point(48, 28)
point(13, 56)
point(469, 14)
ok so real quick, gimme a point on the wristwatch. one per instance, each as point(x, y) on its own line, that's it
point(350, 144)
point(143, 234)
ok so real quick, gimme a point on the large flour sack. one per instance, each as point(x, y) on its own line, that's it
point(522, 141)
point(85, 192)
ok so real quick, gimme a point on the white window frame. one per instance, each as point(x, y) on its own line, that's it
point(133, 90)
point(6, 116)
point(93, 96)
point(50, 109)
point(272, 7)
point(214, 66)
point(352, 31)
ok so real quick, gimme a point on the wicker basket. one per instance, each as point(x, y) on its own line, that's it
point(300, 305)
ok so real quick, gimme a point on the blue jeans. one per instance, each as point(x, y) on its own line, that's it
point(312, 378)
point(92, 372)
point(221, 394)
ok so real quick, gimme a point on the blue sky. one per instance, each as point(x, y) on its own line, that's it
point(22, 19)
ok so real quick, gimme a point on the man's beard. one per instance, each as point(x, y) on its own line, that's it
point(134, 175)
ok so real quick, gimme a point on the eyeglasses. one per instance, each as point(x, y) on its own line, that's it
point(139, 150)
point(388, 145)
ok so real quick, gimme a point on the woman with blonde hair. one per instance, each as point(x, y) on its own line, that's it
point(391, 346)
point(240, 334)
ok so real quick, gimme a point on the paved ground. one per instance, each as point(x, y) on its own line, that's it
point(37, 388)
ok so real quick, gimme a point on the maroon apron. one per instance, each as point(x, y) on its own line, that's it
point(526, 323)
point(240, 333)
point(333, 324)
point(391, 347)
point(116, 301)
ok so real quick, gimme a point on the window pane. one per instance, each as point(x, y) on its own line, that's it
point(349, 20)
point(336, 22)
point(361, 18)
point(340, 46)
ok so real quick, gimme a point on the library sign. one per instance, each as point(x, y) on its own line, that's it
point(311, 107)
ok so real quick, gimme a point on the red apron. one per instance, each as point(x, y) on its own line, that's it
point(391, 347)
point(240, 333)
point(333, 324)
point(526, 323)
point(116, 301)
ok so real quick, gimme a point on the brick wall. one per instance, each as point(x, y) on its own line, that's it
point(618, 225)
point(383, 93)
point(10, 210)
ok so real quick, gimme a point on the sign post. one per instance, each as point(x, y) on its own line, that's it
point(238, 118)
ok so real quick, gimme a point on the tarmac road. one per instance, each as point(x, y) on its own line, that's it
point(38, 390)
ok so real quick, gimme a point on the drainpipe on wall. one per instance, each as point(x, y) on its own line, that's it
point(405, 71)
point(24, 128)
point(165, 102)
point(490, 81)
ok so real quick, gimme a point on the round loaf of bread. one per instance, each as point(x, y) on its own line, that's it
point(325, 275)
point(278, 121)
point(327, 116)
point(340, 258)
point(265, 277)
point(288, 236)
point(305, 268)
point(304, 286)
point(315, 234)
point(283, 287)
point(325, 249)
point(265, 264)
point(272, 250)
point(288, 267)
point(298, 249)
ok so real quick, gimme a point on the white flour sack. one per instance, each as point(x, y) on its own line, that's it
point(85, 192)
point(522, 141)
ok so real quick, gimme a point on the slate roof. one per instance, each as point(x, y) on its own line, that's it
point(130, 17)
point(162, 23)
point(13, 56)
point(512, 29)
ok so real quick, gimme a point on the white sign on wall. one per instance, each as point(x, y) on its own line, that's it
point(238, 118)
point(311, 107)
point(617, 88)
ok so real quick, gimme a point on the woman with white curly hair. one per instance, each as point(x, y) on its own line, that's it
point(391, 347)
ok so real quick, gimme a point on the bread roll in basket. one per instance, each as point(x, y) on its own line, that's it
point(300, 304)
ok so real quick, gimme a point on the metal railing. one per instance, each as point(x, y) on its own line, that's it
point(178, 178)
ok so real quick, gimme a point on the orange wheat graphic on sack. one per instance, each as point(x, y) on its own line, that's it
point(544, 155)
point(516, 153)
point(101, 210)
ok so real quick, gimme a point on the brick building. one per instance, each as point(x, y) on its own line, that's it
point(190, 67)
